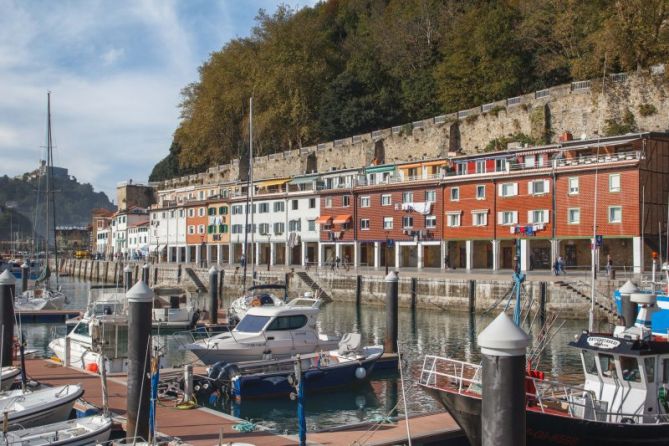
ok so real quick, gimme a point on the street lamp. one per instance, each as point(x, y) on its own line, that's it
point(387, 256)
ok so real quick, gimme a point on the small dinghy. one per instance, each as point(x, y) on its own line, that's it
point(78, 432)
point(44, 406)
point(7, 376)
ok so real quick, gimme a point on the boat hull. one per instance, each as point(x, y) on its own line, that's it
point(71, 433)
point(243, 353)
point(545, 429)
point(315, 380)
point(46, 414)
point(9, 374)
point(82, 357)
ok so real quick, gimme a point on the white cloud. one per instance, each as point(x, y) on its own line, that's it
point(111, 56)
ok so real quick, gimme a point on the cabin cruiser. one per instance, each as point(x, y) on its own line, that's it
point(268, 332)
point(37, 299)
point(622, 400)
point(257, 296)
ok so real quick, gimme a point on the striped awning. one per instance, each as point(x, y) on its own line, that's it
point(304, 180)
point(342, 219)
point(275, 182)
point(324, 219)
point(380, 169)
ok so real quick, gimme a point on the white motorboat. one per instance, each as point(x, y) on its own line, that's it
point(77, 432)
point(7, 376)
point(257, 296)
point(44, 406)
point(40, 299)
point(268, 332)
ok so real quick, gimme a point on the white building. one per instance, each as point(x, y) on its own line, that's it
point(119, 228)
point(138, 240)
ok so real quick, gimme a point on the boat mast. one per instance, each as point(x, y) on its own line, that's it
point(47, 182)
point(249, 198)
point(252, 189)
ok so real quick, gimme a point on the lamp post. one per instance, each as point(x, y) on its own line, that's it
point(387, 257)
point(269, 244)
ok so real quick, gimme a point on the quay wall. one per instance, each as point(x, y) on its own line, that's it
point(439, 293)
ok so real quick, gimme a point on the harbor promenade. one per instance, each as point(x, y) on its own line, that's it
point(203, 426)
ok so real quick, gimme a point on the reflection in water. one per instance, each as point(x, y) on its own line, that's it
point(423, 332)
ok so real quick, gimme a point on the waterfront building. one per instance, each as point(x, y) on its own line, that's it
point(121, 222)
point(138, 240)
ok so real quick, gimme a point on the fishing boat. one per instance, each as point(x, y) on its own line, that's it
point(7, 376)
point(659, 318)
point(35, 408)
point(268, 332)
point(621, 401)
point(322, 371)
point(77, 432)
point(256, 296)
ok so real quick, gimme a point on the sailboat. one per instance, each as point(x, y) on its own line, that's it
point(42, 297)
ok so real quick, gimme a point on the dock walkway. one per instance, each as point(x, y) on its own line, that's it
point(202, 426)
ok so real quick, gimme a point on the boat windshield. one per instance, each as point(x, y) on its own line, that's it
point(252, 324)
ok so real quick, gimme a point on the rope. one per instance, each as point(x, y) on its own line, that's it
point(245, 426)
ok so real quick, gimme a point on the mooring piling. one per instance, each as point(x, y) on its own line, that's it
point(127, 277)
point(140, 302)
point(25, 275)
point(392, 289)
point(145, 273)
point(213, 295)
point(472, 296)
point(7, 292)
point(503, 345)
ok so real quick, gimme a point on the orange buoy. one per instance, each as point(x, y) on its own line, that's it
point(92, 367)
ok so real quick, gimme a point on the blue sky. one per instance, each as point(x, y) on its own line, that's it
point(115, 70)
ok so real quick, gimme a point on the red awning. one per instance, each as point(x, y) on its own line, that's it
point(323, 219)
point(342, 219)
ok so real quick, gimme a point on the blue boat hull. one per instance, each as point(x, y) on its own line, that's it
point(315, 380)
point(659, 319)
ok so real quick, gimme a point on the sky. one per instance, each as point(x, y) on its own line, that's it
point(115, 70)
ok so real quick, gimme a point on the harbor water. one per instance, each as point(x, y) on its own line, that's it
point(423, 332)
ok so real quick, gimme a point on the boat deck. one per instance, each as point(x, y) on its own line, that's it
point(202, 426)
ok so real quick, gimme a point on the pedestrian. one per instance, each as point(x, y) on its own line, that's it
point(556, 267)
point(447, 262)
point(561, 266)
point(242, 261)
point(609, 265)
point(346, 262)
point(337, 261)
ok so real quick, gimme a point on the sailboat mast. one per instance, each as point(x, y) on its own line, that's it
point(50, 195)
point(47, 174)
point(252, 187)
point(249, 199)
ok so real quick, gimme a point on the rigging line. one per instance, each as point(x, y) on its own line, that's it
point(404, 396)
point(141, 389)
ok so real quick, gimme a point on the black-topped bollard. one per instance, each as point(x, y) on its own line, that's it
point(414, 292)
point(127, 277)
point(472, 296)
point(140, 302)
point(392, 289)
point(145, 273)
point(221, 280)
point(7, 293)
point(542, 302)
point(503, 345)
point(358, 289)
point(25, 275)
point(213, 295)
point(629, 308)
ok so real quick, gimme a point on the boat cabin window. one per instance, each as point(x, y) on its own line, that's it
point(252, 324)
point(589, 362)
point(81, 329)
point(649, 365)
point(630, 367)
point(288, 322)
point(608, 365)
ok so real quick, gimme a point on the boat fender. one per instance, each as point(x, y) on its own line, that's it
point(360, 373)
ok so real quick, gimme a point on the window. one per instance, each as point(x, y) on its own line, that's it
point(201, 195)
point(223, 229)
point(573, 216)
point(251, 228)
point(407, 197)
point(412, 173)
point(480, 192)
point(479, 218)
point(507, 217)
point(407, 222)
point(430, 221)
point(649, 365)
point(191, 229)
point(387, 222)
point(614, 182)
point(328, 202)
point(295, 225)
point(200, 229)
point(237, 229)
point(279, 206)
point(431, 196)
point(279, 228)
point(312, 203)
point(210, 229)
point(201, 212)
point(630, 368)
point(607, 365)
point(294, 205)
point(251, 323)
point(453, 219)
point(222, 210)
point(211, 211)
point(508, 189)
point(538, 216)
point(263, 208)
point(500, 165)
point(615, 214)
point(346, 201)
point(480, 166)
point(191, 212)
point(455, 193)
point(537, 187)
point(364, 202)
point(461, 168)
point(386, 200)
point(573, 185)
point(238, 209)
point(311, 225)
point(364, 224)
point(589, 362)
point(288, 323)
point(263, 228)
point(181, 213)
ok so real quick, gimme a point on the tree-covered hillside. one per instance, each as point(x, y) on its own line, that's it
point(22, 200)
point(350, 66)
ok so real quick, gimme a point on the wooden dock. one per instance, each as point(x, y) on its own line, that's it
point(202, 426)
point(42, 316)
